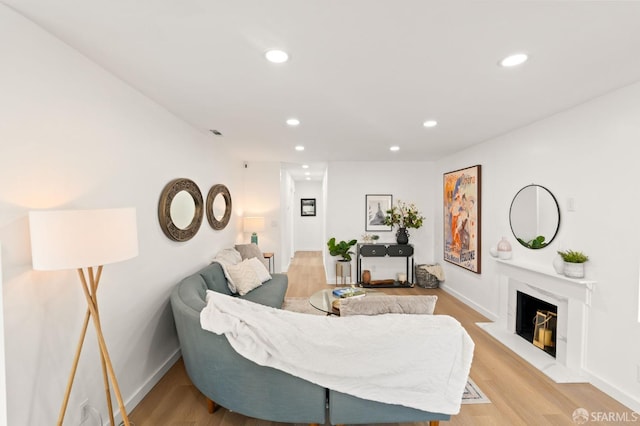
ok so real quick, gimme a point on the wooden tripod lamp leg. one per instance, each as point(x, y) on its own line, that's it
point(104, 351)
point(94, 280)
point(74, 367)
point(107, 368)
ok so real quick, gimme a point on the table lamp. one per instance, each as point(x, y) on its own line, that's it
point(253, 225)
point(83, 240)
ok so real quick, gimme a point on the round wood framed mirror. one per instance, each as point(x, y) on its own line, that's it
point(180, 210)
point(219, 206)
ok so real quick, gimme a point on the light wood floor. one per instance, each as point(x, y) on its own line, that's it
point(520, 394)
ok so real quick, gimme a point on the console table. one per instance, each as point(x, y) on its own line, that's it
point(385, 250)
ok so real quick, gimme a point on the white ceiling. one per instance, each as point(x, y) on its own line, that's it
point(363, 74)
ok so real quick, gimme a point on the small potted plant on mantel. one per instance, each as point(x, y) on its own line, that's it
point(342, 249)
point(573, 263)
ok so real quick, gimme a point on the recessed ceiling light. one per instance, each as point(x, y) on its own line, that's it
point(394, 148)
point(299, 148)
point(293, 122)
point(308, 178)
point(277, 56)
point(305, 166)
point(514, 60)
point(430, 123)
point(307, 173)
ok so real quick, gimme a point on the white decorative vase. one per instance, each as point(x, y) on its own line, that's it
point(574, 270)
point(504, 249)
point(558, 264)
point(493, 251)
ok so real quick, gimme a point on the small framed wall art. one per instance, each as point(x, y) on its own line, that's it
point(461, 203)
point(376, 206)
point(307, 207)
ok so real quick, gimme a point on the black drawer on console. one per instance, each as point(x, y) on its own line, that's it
point(373, 250)
point(400, 250)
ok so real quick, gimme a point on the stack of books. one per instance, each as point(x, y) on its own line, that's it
point(348, 292)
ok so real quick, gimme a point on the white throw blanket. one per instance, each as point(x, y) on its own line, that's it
point(435, 270)
point(418, 361)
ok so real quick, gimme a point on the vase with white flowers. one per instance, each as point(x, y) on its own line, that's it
point(403, 215)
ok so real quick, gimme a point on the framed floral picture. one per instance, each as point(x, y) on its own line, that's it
point(461, 203)
point(376, 206)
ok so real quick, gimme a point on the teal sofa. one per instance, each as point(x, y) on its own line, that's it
point(228, 379)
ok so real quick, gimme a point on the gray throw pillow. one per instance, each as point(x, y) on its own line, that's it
point(378, 304)
point(247, 251)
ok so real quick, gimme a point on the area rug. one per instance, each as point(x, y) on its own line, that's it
point(301, 305)
point(472, 393)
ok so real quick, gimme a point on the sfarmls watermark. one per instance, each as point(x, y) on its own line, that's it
point(581, 416)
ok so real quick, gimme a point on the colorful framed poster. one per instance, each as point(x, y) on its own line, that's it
point(461, 202)
point(376, 206)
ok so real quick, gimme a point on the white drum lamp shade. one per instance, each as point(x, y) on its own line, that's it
point(71, 239)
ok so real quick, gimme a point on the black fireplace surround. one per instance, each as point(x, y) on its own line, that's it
point(526, 308)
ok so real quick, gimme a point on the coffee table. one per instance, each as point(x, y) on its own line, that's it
point(323, 300)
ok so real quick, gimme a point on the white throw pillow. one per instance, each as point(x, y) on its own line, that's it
point(244, 277)
point(228, 257)
point(225, 269)
point(258, 267)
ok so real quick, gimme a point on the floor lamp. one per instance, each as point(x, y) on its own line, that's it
point(85, 240)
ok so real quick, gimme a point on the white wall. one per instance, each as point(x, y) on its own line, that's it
point(589, 153)
point(73, 136)
point(347, 185)
point(261, 195)
point(3, 387)
point(307, 230)
point(287, 197)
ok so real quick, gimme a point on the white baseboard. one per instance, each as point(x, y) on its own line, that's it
point(143, 390)
point(470, 303)
point(614, 392)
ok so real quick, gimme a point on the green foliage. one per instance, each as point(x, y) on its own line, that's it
point(571, 256)
point(404, 215)
point(341, 249)
point(536, 243)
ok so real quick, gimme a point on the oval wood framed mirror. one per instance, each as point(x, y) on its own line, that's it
point(219, 206)
point(180, 210)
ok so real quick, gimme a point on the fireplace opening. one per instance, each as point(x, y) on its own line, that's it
point(536, 322)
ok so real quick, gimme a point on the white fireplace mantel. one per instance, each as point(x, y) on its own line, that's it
point(571, 296)
point(547, 280)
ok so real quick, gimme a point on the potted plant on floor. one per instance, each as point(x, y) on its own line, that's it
point(342, 249)
point(573, 263)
